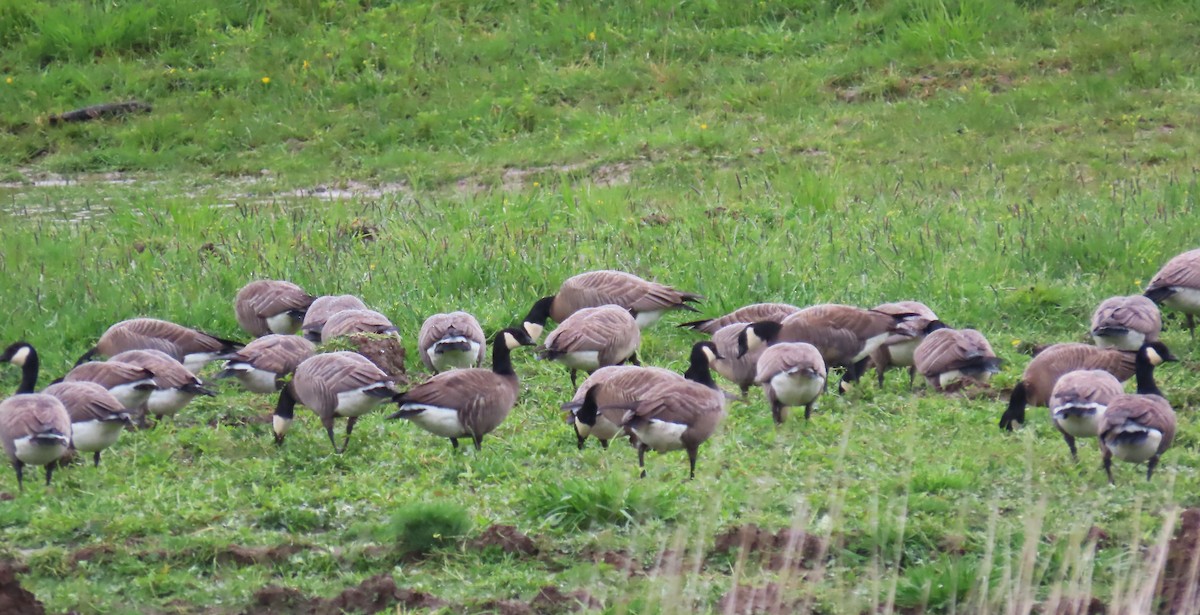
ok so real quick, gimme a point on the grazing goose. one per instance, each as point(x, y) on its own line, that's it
point(34, 430)
point(464, 403)
point(948, 358)
point(97, 417)
point(792, 374)
point(738, 369)
point(349, 322)
point(324, 307)
point(333, 384)
point(271, 306)
point(451, 341)
point(1177, 286)
point(899, 347)
point(130, 384)
point(262, 364)
point(747, 314)
point(176, 385)
point(1039, 377)
point(844, 335)
point(679, 415)
point(648, 300)
point(1140, 427)
point(592, 338)
point(631, 384)
point(1078, 402)
point(188, 346)
point(1125, 323)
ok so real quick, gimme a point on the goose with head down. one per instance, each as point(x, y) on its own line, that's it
point(1125, 323)
point(592, 338)
point(949, 358)
point(1177, 286)
point(324, 307)
point(264, 307)
point(451, 341)
point(648, 300)
point(188, 346)
point(332, 385)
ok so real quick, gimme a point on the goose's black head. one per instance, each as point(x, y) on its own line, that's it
point(757, 335)
point(1156, 353)
point(535, 320)
point(18, 353)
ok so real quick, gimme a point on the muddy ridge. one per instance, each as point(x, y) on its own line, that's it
point(15, 599)
point(506, 538)
point(786, 548)
point(376, 594)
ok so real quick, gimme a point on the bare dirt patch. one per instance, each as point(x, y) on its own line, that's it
point(385, 351)
point(227, 420)
point(506, 538)
point(1180, 586)
point(552, 600)
point(786, 548)
point(619, 561)
point(249, 556)
point(745, 599)
point(93, 553)
point(14, 598)
point(374, 595)
point(6, 496)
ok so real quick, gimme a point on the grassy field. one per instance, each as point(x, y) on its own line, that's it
point(1010, 164)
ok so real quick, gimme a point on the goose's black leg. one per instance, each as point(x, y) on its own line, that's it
point(49, 472)
point(574, 372)
point(807, 410)
point(19, 466)
point(96, 459)
point(349, 428)
point(692, 449)
point(478, 442)
point(642, 458)
point(1108, 466)
point(454, 443)
point(1071, 444)
point(1191, 325)
point(912, 375)
point(604, 444)
point(1153, 463)
point(777, 412)
point(329, 431)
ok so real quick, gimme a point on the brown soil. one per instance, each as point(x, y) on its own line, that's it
point(240, 421)
point(551, 600)
point(90, 554)
point(385, 351)
point(376, 594)
point(503, 607)
point(744, 600)
point(1180, 586)
point(15, 600)
point(619, 561)
point(787, 546)
point(249, 556)
point(6, 496)
point(507, 538)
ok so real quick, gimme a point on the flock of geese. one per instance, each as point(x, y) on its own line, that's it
point(150, 367)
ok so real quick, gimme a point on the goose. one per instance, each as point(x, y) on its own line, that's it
point(1177, 286)
point(451, 341)
point(130, 384)
point(464, 403)
point(35, 429)
point(188, 346)
point(633, 383)
point(845, 335)
point(680, 415)
point(97, 416)
point(349, 322)
point(947, 358)
point(262, 364)
point(333, 384)
point(324, 307)
point(739, 370)
point(592, 338)
point(648, 300)
point(1039, 377)
point(1140, 427)
point(750, 313)
point(1126, 323)
point(24, 356)
point(1078, 401)
point(176, 385)
point(263, 307)
point(898, 349)
point(792, 374)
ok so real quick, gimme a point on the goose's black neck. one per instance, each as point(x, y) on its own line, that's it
point(502, 356)
point(29, 372)
point(934, 326)
point(1144, 370)
point(698, 369)
point(285, 407)
point(540, 312)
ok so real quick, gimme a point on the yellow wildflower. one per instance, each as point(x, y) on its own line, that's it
point(703, 126)
point(592, 35)
point(8, 80)
point(1016, 343)
point(306, 65)
point(266, 80)
point(535, 184)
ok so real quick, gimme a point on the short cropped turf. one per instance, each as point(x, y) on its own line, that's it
point(1011, 164)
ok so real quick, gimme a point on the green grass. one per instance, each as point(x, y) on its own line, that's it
point(1009, 163)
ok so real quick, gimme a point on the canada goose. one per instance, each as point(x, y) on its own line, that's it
point(35, 430)
point(188, 346)
point(1140, 427)
point(628, 384)
point(130, 384)
point(471, 402)
point(1039, 377)
point(844, 335)
point(324, 307)
point(747, 314)
point(792, 374)
point(262, 364)
point(592, 338)
point(1177, 286)
point(176, 385)
point(947, 357)
point(24, 356)
point(739, 370)
point(348, 322)
point(97, 417)
point(1078, 401)
point(271, 306)
point(449, 341)
point(333, 384)
point(648, 300)
point(1126, 322)
point(679, 415)
point(899, 347)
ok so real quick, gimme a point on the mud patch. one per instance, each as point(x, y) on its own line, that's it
point(1180, 587)
point(744, 600)
point(6, 496)
point(376, 594)
point(786, 548)
point(13, 597)
point(504, 607)
point(94, 553)
point(385, 351)
point(505, 538)
point(551, 600)
point(619, 561)
point(249, 556)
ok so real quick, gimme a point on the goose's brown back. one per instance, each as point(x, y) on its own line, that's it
point(1049, 365)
